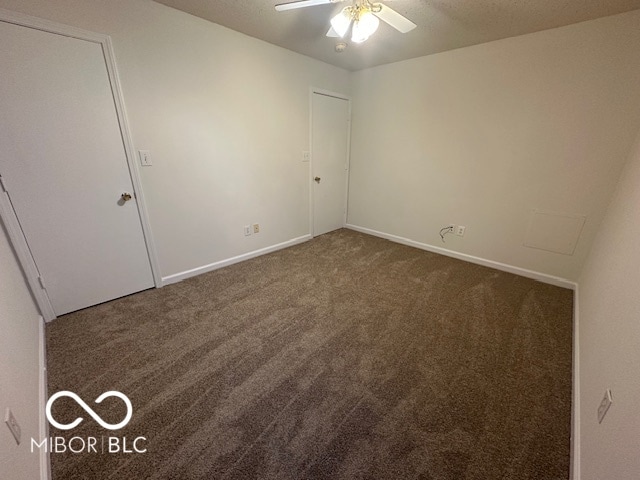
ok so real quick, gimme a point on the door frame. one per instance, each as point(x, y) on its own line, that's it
point(328, 93)
point(7, 213)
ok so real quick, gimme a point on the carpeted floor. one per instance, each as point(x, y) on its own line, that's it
point(347, 357)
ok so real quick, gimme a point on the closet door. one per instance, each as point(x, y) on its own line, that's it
point(330, 154)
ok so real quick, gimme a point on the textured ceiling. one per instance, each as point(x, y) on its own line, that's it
point(442, 24)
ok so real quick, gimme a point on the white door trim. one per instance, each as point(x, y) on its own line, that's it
point(7, 213)
point(43, 427)
point(328, 93)
point(21, 248)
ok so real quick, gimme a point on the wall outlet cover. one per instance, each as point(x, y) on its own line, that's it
point(12, 423)
point(603, 408)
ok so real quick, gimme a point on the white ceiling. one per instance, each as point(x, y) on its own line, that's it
point(442, 24)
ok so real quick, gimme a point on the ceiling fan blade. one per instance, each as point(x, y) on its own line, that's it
point(301, 4)
point(393, 18)
point(332, 33)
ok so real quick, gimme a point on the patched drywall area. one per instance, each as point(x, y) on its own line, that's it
point(554, 232)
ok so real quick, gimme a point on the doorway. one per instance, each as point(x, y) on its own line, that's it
point(330, 132)
point(69, 199)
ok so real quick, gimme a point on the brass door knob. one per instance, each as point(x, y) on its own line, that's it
point(317, 179)
point(125, 197)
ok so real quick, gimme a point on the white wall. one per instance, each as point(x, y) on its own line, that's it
point(482, 135)
point(19, 367)
point(609, 304)
point(225, 116)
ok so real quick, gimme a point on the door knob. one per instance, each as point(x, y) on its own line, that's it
point(317, 179)
point(125, 197)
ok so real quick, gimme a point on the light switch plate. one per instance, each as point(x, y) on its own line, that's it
point(306, 156)
point(145, 158)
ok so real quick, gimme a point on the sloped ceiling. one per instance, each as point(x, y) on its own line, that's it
point(442, 24)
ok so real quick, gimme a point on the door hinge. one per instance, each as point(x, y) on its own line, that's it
point(2, 184)
point(41, 280)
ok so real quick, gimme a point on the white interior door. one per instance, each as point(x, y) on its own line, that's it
point(64, 167)
point(330, 154)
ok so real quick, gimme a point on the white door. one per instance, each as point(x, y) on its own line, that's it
point(330, 154)
point(64, 167)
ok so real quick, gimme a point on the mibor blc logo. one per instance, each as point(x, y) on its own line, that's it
point(78, 444)
point(88, 409)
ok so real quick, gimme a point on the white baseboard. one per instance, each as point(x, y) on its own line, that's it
point(45, 460)
point(230, 261)
point(575, 406)
point(523, 272)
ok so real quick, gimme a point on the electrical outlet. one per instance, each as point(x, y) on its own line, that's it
point(606, 402)
point(460, 230)
point(12, 423)
point(247, 230)
point(256, 228)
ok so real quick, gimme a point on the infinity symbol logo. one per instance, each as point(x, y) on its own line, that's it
point(88, 409)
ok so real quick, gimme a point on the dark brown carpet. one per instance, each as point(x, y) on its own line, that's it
point(347, 357)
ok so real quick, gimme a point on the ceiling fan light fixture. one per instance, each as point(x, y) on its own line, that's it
point(364, 27)
point(341, 22)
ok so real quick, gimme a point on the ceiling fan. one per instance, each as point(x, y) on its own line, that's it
point(362, 17)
